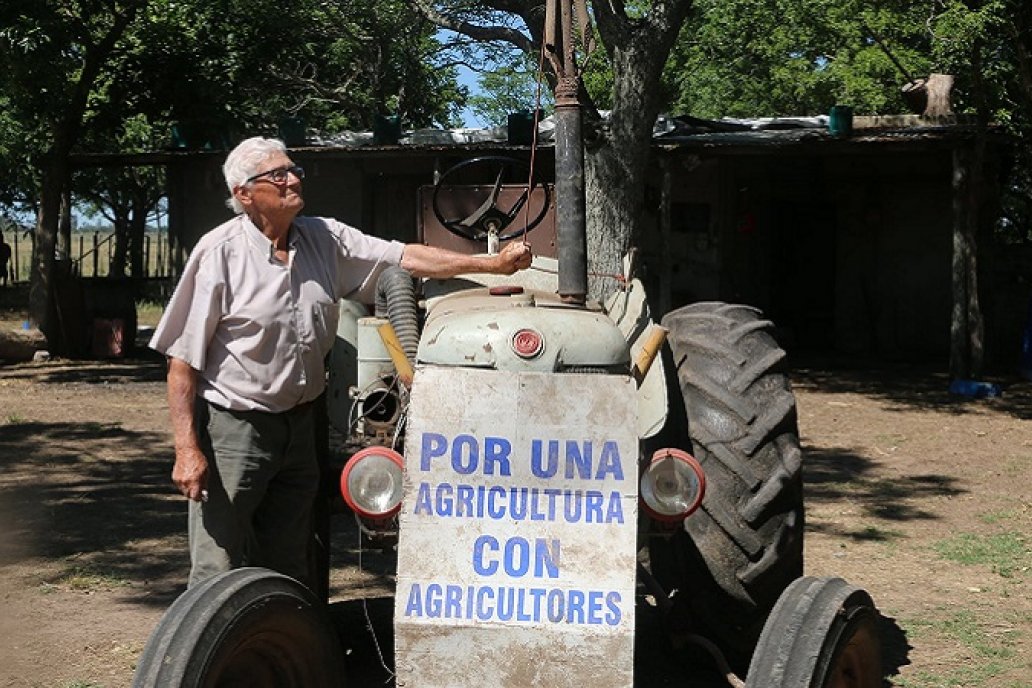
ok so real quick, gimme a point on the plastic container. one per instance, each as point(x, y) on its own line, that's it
point(840, 120)
point(974, 389)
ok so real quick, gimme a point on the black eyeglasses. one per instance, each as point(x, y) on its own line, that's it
point(280, 175)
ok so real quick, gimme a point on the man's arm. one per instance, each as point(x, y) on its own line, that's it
point(190, 473)
point(438, 263)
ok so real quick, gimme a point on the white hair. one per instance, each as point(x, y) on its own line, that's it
point(243, 162)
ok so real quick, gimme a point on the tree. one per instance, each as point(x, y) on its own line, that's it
point(79, 70)
point(636, 38)
point(61, 50)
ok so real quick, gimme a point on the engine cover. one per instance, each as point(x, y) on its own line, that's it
point(475, 328)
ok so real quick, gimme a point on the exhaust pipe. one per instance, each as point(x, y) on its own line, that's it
point(571, 223)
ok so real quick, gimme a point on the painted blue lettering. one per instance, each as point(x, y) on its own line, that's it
point(613, 603)
point(546, 558)
point(506, 601)
point(555, 605)
point(443, 501)
point(592, 506)
point(572, 506)
point(463, 500)
point(495, 502)
point(483, 568)
point(615, 512)
point(433, 600)
point(496, 451)
point(575, 607)
point(434, 445)
point(538, 595)
point(610, 462)
point(594, 607)
point(521, 606)
point(537, 467)
point(414, 606)
point(423, 505)
point(465, 462)
point(535, 507)
point(552, 494)
point(517, 557)
point(518, 503)
point(578, 460)
point(452, 602)
point(484, 609)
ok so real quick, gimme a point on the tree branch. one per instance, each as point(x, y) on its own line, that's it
point(475, 31)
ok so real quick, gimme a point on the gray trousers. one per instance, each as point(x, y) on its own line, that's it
point(263, 477)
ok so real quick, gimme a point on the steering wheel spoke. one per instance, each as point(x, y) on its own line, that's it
point(489, 217)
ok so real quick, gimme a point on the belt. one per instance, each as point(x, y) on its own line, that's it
point(297, 410)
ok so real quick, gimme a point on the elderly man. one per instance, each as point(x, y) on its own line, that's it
point(246, 334)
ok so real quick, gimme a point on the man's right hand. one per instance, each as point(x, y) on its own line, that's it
point(190, 473)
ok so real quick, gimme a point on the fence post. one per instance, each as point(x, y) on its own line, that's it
point(96, 253)
point(146, 255)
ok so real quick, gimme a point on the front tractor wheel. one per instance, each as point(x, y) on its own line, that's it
point(246, 627)
point(823, 633)
point(737, 553)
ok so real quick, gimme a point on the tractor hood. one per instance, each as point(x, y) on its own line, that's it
point(520, 330)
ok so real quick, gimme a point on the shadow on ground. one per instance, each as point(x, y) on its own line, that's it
point(94, 498)
point(909, 385)
point(835, 475)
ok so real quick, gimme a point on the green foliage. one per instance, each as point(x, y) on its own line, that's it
point(511, 87)
point(741, 58)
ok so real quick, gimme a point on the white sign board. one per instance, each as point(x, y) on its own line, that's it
point(517, 550)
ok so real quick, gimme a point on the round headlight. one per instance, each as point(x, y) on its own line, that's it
point(371, 482)
point(672, 486)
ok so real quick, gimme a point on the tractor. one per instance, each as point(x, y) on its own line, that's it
point(545, 467)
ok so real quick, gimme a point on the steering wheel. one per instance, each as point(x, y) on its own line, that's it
point(489, 218)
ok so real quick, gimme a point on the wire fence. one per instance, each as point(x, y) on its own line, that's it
point(92, 254)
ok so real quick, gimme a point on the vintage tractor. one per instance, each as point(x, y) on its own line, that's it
point(546, 467)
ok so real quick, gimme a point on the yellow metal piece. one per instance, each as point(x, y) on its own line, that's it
point(401, 362)
point(649, 350)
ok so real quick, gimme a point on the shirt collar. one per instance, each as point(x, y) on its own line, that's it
point(264, 243)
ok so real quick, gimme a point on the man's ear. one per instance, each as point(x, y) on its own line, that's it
point(243, 194)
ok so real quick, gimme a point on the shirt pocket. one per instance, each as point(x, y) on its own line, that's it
point(324, 315)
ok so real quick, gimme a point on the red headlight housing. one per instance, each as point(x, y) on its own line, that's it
point(672, 485)
point(371, 482)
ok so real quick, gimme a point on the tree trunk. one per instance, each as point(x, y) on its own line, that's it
point(939, 87)
point(137, 234)
point(616, 170)
point(41, 271)
point(966, 326)
point(121, 250)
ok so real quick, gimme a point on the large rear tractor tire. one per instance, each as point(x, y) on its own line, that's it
point(822, 633)
point(738, 552)
point(247, 627)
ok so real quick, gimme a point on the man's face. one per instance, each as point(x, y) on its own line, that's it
point(269, 197)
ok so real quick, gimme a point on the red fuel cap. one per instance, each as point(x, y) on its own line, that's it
point(505, 290)
point(527, 343)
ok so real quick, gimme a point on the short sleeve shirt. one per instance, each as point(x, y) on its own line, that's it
point(258, 330)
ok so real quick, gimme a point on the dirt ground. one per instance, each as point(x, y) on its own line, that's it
point(922, 498)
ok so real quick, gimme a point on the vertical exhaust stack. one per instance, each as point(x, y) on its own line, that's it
point(571, 224)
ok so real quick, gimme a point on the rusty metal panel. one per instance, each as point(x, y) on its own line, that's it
point(461, 201)
point(517, 550)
